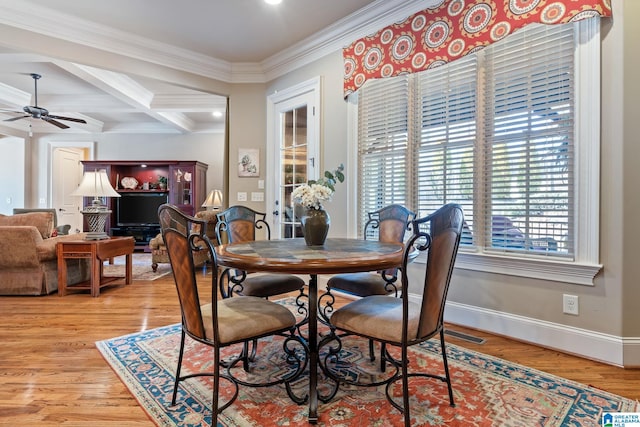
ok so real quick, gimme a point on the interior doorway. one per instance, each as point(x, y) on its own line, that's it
point(66, 174)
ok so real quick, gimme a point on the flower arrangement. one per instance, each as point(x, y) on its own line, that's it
point(314, 192)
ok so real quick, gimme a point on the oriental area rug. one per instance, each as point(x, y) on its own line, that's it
point(488, 391)
point(141, 267)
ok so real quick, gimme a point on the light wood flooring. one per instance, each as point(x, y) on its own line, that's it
point(51, 373)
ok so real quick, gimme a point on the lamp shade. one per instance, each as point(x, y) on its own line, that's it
point(214, 200)
point(95, 184)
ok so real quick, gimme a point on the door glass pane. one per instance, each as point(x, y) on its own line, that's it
point(293, 156)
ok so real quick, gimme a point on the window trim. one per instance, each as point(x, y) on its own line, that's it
point(586, 266)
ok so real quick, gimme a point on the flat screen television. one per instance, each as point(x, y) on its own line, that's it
point(139, 208)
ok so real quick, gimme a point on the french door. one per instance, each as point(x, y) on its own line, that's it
point(292, 152)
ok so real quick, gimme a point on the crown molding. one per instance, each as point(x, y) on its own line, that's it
point(197, 102)
point(363, 22)
point(55, 24)
point(37, 18)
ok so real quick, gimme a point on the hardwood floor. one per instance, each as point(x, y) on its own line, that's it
point(52, 374)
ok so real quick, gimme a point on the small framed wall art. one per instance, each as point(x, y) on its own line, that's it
point(248, 162)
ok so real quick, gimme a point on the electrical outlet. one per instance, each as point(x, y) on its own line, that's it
point(570, 304)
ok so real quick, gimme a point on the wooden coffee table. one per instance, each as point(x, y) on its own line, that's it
point(97, 251)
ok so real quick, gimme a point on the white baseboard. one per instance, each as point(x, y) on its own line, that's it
point(610, 349)
point(618, 351)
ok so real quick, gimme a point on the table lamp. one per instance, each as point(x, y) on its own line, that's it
point(214, 200)
point(96, 184)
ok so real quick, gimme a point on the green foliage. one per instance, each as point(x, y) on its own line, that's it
point(330, 178)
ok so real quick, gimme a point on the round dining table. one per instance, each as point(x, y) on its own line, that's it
point(337, 255)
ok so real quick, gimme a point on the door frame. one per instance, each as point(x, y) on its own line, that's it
point(310, 87)
point(87, 146)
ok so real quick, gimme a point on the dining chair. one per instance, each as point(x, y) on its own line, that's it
point(388, 224)
point(239, 224)
point(402, 322)
point(222, 322)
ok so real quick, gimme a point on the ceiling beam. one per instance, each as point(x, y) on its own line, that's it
point(14, 97)
point(127, 90)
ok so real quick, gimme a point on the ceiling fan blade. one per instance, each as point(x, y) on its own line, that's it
point(71, 119)
point(55, 122)
point(15, 118)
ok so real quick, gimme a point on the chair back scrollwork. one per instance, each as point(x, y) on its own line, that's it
point(239, 224)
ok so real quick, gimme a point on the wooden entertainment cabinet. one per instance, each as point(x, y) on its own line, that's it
point(186, 187)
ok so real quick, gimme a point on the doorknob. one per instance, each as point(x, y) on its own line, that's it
point(276, 213)
point(61, 210)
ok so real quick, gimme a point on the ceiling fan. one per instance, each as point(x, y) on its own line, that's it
point(36, 112)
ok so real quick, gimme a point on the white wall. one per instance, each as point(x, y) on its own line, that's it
point(12, 174)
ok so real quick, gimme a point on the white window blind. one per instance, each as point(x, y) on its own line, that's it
point(493, 131)
point(446, 137)
point(528, 134)
point(383, 146)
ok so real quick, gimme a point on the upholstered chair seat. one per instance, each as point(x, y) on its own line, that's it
point(245, 318)
point(364, 284)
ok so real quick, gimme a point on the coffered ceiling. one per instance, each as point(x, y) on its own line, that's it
point(212, 41)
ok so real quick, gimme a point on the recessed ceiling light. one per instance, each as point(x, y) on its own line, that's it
point(273, 1)
point(217, 114)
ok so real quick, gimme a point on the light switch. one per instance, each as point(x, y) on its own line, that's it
point(257, 196)
point(242, 196)
point(261, 184)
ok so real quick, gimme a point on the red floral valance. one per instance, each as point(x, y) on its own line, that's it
point(450, 30)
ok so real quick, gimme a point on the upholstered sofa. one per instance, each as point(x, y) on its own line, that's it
point(28, 259)
point(58, 229)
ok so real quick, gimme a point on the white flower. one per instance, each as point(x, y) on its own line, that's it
point(311, 196)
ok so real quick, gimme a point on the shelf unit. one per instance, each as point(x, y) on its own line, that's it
point(185, 187)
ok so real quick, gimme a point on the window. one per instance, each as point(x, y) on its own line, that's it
point(508, 133)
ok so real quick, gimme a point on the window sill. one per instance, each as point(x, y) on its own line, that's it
point(543, 269)
point(553, 270)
